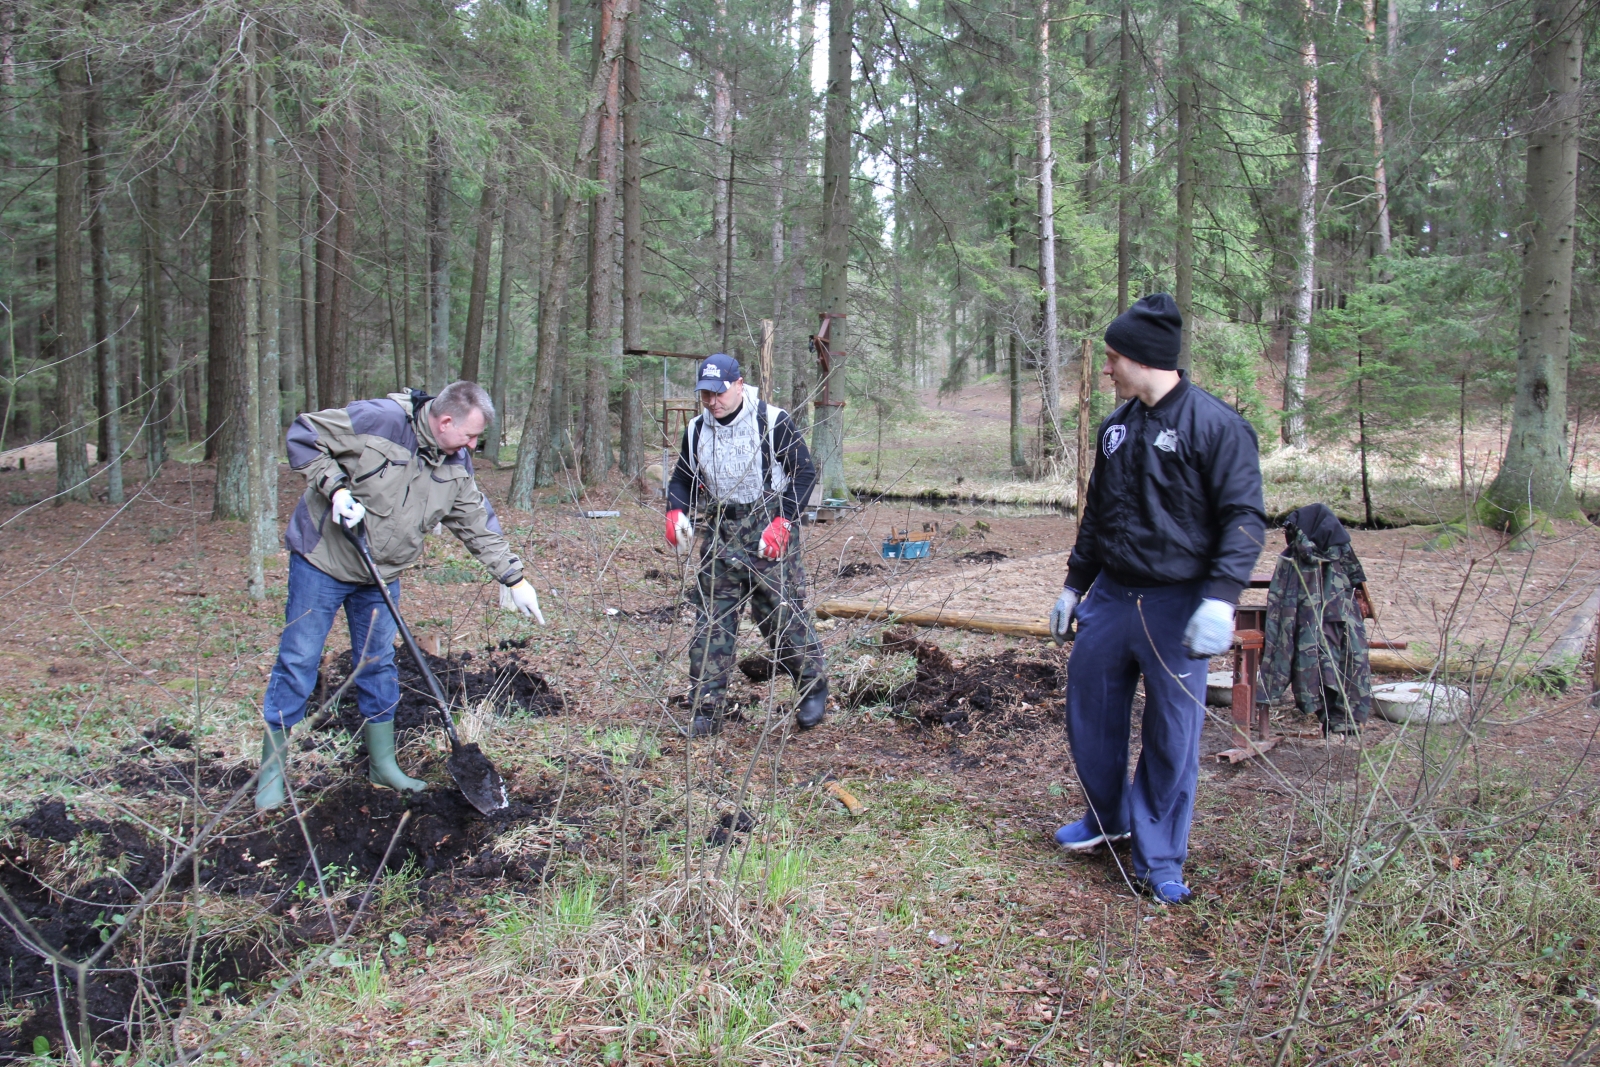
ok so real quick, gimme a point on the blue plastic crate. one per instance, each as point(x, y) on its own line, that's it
point(906, 549)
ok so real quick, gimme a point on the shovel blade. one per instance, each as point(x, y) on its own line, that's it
point(478, 779)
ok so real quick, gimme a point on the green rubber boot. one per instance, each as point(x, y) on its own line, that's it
point(381, 767)
point(270, 792)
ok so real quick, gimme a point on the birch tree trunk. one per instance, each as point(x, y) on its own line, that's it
point(828, 430)
point(721, 203)
point(1380, 176)
point(308, 291)
point(249, 373)
point(1050, 357)
point(159, 393)
point(1299, 362)
point(1533, 475)
point(536, 423)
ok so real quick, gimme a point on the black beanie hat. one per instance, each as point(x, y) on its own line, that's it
point(1150, 332)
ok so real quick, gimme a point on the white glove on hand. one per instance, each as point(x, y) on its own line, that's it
point(1061, 615)
point(521, 598)
point(1210, 629)
point(347, 510)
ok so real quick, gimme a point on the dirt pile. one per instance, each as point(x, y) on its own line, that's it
point(500, 677)
point(77, 880)
point(1002, 693)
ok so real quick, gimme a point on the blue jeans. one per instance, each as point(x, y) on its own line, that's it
point(1125, 632)
point(314, 599)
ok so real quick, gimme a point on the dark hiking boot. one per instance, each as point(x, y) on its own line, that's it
point(813, 707)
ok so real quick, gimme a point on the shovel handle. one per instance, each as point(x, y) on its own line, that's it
point(358, 538)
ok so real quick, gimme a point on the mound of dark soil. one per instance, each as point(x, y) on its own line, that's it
point(1003, 693)
point(856, 570)
point(500, 677)
point(987, 556)
point(350, 824)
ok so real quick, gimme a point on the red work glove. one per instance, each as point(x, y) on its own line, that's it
point(775, 538)
point(680, 531)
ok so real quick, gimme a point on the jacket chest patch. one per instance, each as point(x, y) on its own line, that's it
point(1167, 440)
point(1114, 437)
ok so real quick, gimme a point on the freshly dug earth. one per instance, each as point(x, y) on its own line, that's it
point(499, 677)
point(74, 880)
point(1002, 693)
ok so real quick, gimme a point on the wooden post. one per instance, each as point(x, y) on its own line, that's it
point(766, 355)
point(1085, 438)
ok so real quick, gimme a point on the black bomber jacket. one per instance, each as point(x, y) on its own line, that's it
point(1175, 496)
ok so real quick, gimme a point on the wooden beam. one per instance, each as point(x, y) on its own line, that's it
point(951, 618)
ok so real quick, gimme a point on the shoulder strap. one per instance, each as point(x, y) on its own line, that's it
point(691, 434)
point(764, 428)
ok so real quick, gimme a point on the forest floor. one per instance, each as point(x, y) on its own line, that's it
point(957, 445)
point(1427, 894)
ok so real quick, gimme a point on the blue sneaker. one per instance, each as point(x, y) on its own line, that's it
point(1164, 892)
point(1082, 836)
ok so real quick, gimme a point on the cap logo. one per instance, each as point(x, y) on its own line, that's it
point(711, 370)
point(1113, 438)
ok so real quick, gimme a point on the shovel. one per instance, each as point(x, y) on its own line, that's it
point(471, 769)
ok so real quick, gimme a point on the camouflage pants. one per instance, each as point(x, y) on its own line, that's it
point(730, 574)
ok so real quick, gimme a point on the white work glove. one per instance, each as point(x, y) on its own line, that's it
point(1061, 615)
point(347, 510)
point(521, 598)
point(1210, 629)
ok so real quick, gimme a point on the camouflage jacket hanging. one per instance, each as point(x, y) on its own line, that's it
point(1315, 638)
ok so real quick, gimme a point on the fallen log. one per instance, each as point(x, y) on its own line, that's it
point(951, 618)
point(1384, 661)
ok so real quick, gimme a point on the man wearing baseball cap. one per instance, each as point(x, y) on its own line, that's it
point(745, 469)
point(1167, 538)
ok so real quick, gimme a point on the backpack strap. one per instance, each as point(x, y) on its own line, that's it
point(764, 428)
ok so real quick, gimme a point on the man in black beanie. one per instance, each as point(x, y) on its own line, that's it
point(1167, 538)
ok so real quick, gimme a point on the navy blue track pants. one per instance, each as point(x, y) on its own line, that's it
point(1125, 632)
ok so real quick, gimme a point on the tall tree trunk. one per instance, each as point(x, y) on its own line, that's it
point(438, 194)
point(1533, 475)
point(536, 423)
point(230, 369)
point(1019, 457)
point(602, 267)
point(482, 247)
point(105, 330)
point(495, 434)
point(250, 373)
point(1124, 158)
point(1299, 362)
point(801, 358)
point(1050, 357)
point(1091, 137)
point(309, 314)
point(160, 395)
point(1380, 175)
point(335, 258)
point(633, 377)
point(1185, 250)
point(269, 283)
point(721, 200)
point(828, 431)
point(72, 368)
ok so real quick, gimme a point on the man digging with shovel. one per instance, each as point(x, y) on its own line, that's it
point(747, 470)
point(399, 466)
